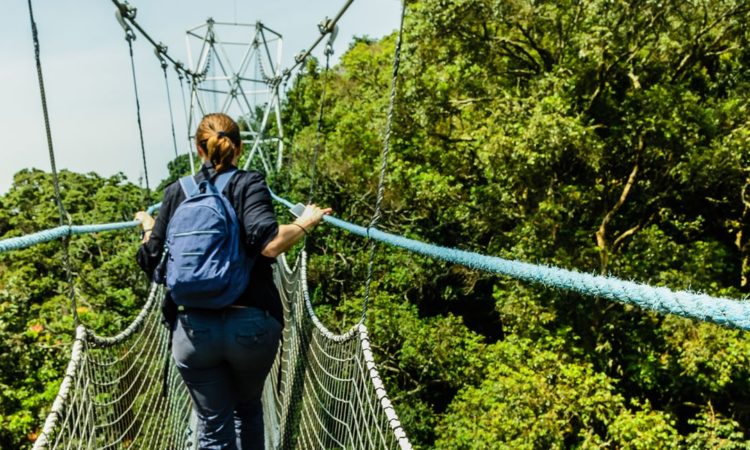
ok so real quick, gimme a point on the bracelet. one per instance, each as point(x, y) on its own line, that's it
point(304, 230)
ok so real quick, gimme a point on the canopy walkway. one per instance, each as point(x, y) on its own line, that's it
point(324, 390)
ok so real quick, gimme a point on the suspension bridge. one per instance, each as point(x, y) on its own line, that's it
point(324, 390)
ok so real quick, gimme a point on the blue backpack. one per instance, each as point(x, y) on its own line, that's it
point(207, 266)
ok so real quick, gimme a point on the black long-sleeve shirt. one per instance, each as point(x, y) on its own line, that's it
point(249, 195)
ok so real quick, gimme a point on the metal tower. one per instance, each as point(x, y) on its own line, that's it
point(240, 75)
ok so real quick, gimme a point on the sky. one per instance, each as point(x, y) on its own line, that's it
point(88, 81)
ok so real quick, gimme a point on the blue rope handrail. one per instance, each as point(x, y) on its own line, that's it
point(724, 311)
point(28, 240)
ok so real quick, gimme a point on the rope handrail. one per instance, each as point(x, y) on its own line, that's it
point(16, 243)
point(723, 311)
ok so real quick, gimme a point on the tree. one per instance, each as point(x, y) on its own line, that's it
point(36, 322)
point(606, 136)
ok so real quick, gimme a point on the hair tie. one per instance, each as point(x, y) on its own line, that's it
point(221, 134)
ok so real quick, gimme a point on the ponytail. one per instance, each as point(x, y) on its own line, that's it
point(219, 137)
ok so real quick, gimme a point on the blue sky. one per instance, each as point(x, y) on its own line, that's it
point(89, 85)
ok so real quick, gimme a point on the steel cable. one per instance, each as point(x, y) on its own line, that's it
point(383, 161)
point(64, 216)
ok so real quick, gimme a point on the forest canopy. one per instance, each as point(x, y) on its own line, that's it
point(610, 137)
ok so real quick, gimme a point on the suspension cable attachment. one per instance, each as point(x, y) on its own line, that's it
point(331, 38)
point(323, 26)
point(328, 26)
point(180, 69)
point(161, 50)
point(124, 10)
point(300, 57)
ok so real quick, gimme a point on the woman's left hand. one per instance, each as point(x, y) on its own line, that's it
point(311, 216)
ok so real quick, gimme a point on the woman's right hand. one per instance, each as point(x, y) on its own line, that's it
point(289, 234)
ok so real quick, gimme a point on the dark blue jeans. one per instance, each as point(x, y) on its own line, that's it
point(224, 357)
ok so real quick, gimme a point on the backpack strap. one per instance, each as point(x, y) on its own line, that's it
point(223, 178)
point(188, 186)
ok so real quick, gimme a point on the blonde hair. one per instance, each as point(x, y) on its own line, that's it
point(219, 137)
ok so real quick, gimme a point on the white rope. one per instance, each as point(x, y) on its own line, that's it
point(111, 396)
point(324, 387)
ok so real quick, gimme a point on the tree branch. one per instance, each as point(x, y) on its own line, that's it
point(601, 233)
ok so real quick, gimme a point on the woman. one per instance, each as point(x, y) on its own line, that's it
point(224, 355)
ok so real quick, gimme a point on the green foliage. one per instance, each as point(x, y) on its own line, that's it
point(178, 167)
point(715, 432)
point(605, 136)
point(36, 323)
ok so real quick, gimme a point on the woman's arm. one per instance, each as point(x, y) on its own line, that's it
point(290, 234)
point(155, 230)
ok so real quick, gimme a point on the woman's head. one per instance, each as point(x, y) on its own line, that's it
point(218, 138)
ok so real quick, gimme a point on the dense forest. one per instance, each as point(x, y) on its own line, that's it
point(605, 136)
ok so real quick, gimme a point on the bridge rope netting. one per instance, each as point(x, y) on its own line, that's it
point(324, 390)
point(110, 396)
point(325, 387)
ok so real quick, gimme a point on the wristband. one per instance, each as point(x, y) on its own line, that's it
point(304, 230)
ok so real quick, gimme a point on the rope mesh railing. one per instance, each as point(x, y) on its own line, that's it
point(111, 396)
point(324, 390)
